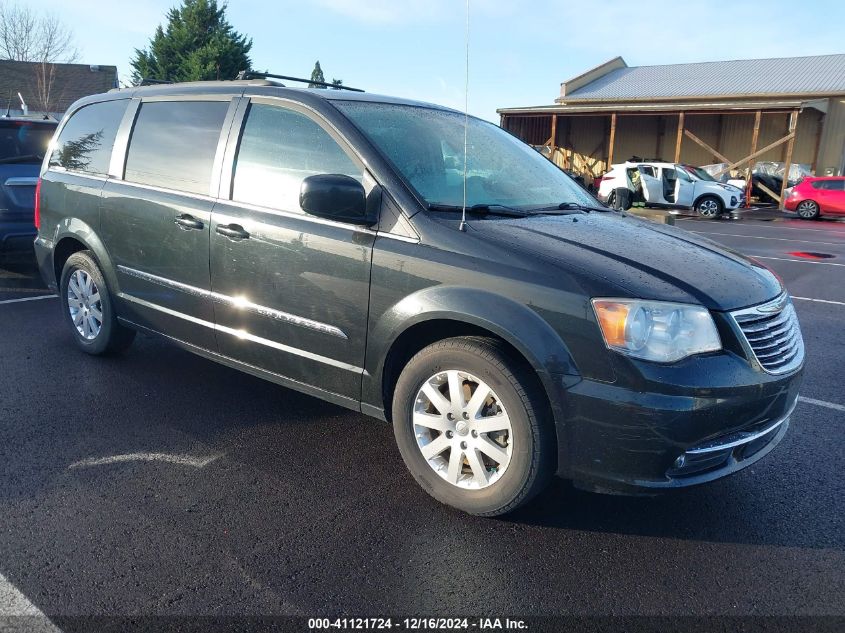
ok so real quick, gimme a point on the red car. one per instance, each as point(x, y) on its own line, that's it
point(814, 196)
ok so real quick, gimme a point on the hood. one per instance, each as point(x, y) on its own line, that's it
point(641, 258)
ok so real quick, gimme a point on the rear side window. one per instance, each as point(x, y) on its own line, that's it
point(86, 141)
point(831, 185)
point(279, 148)
point(173, 144)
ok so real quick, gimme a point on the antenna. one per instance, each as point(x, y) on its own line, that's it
point(463, 225)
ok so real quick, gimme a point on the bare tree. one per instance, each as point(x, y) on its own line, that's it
point(41, 38)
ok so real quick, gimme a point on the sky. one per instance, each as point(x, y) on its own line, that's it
point(519, 52)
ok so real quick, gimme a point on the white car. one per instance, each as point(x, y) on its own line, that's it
point(669, 185)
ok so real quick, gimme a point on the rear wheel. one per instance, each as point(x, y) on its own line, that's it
point(88, 307)
point(473, 426)
point(807, 210)
point(709, 207)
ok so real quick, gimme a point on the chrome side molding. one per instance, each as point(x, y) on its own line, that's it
point(240, 303)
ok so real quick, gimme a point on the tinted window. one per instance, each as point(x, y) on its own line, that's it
point(279, 148)
point(86, 140)
point(426, 146)
point(24, 142)
point(833, 185)
point(173, 144)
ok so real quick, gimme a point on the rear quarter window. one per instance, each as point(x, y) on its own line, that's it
point(85, 142)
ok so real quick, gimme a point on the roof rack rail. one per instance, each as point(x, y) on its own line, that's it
point(252, 74)
point(146, 81)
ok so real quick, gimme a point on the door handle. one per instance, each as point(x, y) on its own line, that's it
point(188, 222)
point(234, 232)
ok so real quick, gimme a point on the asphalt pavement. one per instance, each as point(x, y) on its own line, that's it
point(160, 483)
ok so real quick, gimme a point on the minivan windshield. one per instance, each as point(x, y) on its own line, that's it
point(426, 146)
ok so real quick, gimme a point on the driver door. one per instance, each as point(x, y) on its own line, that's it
point(291, 291)
point(652, 186)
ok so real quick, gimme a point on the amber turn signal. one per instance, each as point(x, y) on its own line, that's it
point(612, 317)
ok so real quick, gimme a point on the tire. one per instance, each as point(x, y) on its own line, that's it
point(485, 473)
point(709, 207)
point(86, 302)
point(808, 210)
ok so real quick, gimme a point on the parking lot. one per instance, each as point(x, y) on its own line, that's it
point(159, 483)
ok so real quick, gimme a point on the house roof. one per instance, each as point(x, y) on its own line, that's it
point(70, 82)
point(786, 76)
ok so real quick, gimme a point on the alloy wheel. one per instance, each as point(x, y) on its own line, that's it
point(708, 208)
point(462, 429)
point(807, 209)
point(84, 304)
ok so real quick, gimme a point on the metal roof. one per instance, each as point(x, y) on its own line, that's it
point(817, 75)
point(669, 107)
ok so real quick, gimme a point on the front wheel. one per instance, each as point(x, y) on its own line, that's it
point(473, 426)
point(808, 210)
point(709, 207)
point(88, 307)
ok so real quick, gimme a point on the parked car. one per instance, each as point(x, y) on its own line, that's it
point(699, 173)
point(668, 185)
point(316, 238)
point(816, 196)
point(23, 144)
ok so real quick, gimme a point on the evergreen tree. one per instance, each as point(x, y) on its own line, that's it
point(317, 75)
point(337, 83)
point(198, 43)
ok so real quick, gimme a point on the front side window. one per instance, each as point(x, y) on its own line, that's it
point(85, 143)
point(173, 144)
point(279, 148)
point(426, 147)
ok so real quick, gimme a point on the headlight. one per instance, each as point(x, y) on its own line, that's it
point(656, 330)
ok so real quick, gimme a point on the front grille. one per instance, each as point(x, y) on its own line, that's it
point(773, 334)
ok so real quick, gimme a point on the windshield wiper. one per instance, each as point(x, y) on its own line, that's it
point(26, 158)
point(570, 207)
point(481, 209)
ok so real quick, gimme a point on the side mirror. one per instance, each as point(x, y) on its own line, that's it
point(335, 197)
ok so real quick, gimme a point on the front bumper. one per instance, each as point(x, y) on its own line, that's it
point(697, 421)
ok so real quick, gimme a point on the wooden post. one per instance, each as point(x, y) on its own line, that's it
point(553, 137)
point(568, 152)
point(793, 124)
point(612, 140)
point(680, 138)
point(756, 135)
point(819, 132)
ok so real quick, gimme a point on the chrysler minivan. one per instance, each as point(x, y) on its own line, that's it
point(507, 324)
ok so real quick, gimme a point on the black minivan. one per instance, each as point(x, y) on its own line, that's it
point(315, 238)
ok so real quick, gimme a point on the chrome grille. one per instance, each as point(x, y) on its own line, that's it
point(773, 334)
